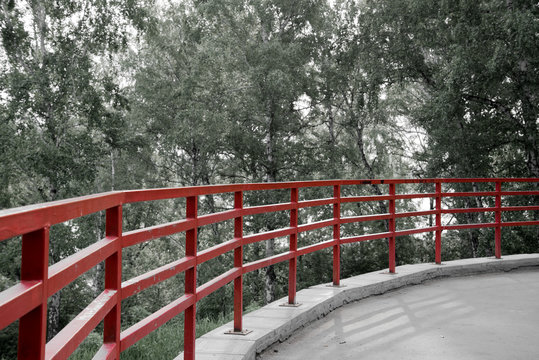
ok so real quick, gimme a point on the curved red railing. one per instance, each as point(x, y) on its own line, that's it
point(27, 300)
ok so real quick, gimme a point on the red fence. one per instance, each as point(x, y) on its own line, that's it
point(27, 300)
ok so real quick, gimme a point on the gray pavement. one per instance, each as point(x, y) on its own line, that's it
point(377, 330)
point(487, 316)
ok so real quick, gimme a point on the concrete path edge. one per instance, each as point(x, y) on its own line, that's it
point(273, 322)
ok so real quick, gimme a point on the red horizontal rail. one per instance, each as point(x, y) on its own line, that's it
point(487, 225)
point(18, 300)
point(352, 239)
point(218, 217)
point(469, 226)
point(415, 213)
point(40, 215)
point(315, 247)
point(468, 194)
point(467, 210)
point(317, 202)
point(69, 338)
point(217, 283)
point(366, 198)
point(27, 300)
point(489, 193)
point(22, 220)
point(415, 231)
point(362, 218)
point(491, 180)
point(258, 264)
point(134, 237)
point(249, 239)
point(519, 193)
point(383, 235)
point(219, 249)
point(64, 272)
point(144, 281)
point(414, 196)
point(489, 209)
point(520, 208)
point(316, 225)
point(152, 322)
point(107, 351)
point(519, 223)
point(171, 193)
point(262, 209)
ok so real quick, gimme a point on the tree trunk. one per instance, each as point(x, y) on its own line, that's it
point(369, 169)
point(334, 156)
point(431, 217)
point(40, 26)
point(370, 172)
point(99, 274)
point(53, 318)
point(271, 176)
point(531, 142)
point(270, 274)
point(53, 308)
point(473, 236)
point(112, 170)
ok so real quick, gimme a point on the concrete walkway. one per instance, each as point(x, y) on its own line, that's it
point(392, 327)
point(489, 316)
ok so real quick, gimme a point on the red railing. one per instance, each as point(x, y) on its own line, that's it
point(27, 300)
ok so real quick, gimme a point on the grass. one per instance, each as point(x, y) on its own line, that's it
point(163, 344)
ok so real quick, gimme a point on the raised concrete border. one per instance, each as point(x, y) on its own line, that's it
point(274, 323)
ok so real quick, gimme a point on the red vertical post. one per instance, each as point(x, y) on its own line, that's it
point(293, 262)
point(113, 278)
point(34, 266)
point(498, 219)
point(238, 263)
point(189, 333)
point(337, 235)
point(438, 239)
point(392, 228)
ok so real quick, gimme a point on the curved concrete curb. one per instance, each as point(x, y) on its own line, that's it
point(274, 323)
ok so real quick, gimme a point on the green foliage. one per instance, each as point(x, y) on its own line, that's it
point(99, 95)
point(160, 344)
point(477, 63)
point(60, 117)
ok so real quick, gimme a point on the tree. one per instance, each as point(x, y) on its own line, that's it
point(472, 63)
point(475, 60)
point(269, 134)
point(57, 111)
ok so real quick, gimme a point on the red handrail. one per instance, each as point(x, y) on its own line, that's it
point(27, 300)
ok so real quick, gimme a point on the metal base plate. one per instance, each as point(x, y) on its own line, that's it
point(290, 305)
point(389, 273)
point(243, 332)
point(336, 286)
